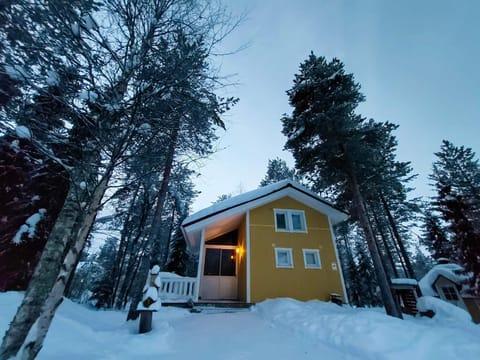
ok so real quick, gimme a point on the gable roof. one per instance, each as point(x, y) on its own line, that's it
point(229, 212)
point(452, 272)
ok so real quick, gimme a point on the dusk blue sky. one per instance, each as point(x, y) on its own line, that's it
point(417, 62)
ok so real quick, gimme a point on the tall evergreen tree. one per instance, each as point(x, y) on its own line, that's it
point(277, 169)
point(435, 238)
point(365, 281)
point(335, 148)
point(456, 177)
point(102, 292)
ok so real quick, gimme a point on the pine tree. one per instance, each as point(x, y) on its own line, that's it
point(435, 238)
point(458, 213)
point(456, 177)
point(335, 148)
point(102, 292)
point(422, 263)
point(364, 283)
point(277, 169)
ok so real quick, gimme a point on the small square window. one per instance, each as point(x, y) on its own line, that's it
point(283, 258)
point(311, 258)
point(450, 293)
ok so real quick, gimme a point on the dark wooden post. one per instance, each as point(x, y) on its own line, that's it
point(145, 321)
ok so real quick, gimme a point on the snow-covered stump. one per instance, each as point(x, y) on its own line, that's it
point(150, 300)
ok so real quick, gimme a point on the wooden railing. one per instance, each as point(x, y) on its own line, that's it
point(177, 289)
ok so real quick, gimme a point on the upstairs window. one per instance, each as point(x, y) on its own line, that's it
point(290, 220)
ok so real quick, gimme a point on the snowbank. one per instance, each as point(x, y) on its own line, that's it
point(274, 329)
point(370, 334)
point(443, 310)
point(80, 332)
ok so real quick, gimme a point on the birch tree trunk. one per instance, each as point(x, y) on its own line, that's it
point(389, 302)
point(71, 227)
point(43, 278)
point(36, 336)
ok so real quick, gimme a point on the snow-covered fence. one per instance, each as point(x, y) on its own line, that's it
point(176, 288)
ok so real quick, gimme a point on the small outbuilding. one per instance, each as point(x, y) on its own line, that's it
point(275, 241)
point(445, 280)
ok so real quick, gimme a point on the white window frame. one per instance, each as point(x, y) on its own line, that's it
point(288, 220)
point(316, 254)
point(289, 253)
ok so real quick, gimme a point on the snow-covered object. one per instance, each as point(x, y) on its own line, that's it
point(17, 239)
point(88, 95)
point(150, 299)
point(83, 185)
point(16, 72)
point(145, 129)
point(30, 226)
point(370, 334)
point(151, 293)
point(52, 78)
point(277, 329)
point(155, 270)
point(404, 281)
point(75, 29)
point(15, 145)
point(112, 107)
point(443, 309)
point(23, 132)
point(89, 22)
point(256, 194)
point(453, 272)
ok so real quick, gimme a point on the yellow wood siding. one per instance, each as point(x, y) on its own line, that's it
point(267, 281)
point(241, 259)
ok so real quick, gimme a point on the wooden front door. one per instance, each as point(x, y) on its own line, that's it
point(219, 276)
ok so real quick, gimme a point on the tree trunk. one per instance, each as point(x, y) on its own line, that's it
point(155, 229)
point(120, 257)
point(38, 332)
point(43, 278)
point(385, 245)
point(398, 253)
point(169, 239)
point(391, 307)
point(397, 236)
point(143, 264)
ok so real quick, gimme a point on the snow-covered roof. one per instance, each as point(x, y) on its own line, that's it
point(404, 281)
point(232, 210)
point(452, 272)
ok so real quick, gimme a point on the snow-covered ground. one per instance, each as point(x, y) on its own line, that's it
point(274, 329)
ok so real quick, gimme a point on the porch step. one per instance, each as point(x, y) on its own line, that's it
point(213, 307)
point(224, 304)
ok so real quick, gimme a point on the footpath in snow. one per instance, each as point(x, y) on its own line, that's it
point(274, 329)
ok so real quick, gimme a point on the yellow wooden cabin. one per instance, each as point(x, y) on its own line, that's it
point(275, 241)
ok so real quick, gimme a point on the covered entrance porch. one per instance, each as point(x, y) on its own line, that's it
point(220, 268)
